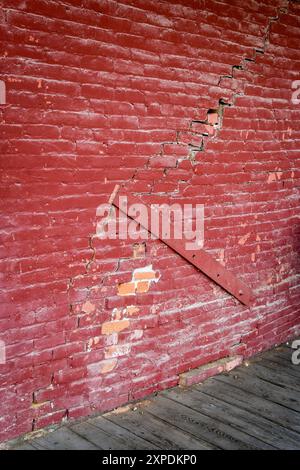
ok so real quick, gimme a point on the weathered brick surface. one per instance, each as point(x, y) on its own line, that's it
point(200, 374)
point(138, 92)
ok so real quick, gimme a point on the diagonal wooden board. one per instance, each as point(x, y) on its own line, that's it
point(198, 258)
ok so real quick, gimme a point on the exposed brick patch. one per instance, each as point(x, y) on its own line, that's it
point(140, 283)
point(142, 287)
point(127, 288)
point(114, 326)
point(102, 367)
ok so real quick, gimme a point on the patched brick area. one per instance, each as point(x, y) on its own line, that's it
point(187, 102)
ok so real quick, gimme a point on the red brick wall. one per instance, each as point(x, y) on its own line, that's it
point(106, 92)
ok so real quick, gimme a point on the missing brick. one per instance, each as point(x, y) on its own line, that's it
point(139, 250)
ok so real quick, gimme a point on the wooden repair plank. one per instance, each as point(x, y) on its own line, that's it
point(198, 258)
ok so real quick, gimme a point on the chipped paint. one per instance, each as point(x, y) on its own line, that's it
point(108, 365)
point(117, 350)
point(132, 310)
point(275, 176)
point(140, 282)
point(114, 326)
point(271, 178)
point(243, 239)
point(88, 307)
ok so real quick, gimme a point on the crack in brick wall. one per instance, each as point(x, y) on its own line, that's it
point(191, 142)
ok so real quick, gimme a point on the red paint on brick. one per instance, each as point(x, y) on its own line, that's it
point(101, 108)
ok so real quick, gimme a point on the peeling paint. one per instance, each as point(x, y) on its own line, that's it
point(243, 239)
point(117, 350)
point(88, 307)
point(114, 326)
point(140, 282)
point(108, 366)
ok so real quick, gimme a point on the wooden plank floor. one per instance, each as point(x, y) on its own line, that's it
point(252, 407)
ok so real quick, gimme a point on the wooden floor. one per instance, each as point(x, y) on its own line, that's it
point(253, 407)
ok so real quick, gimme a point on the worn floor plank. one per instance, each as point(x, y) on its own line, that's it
point(245, 400)
point(257, 386)
point(253, 407)
point(223, 413)
point(275, 377)
point(119, 436)
point(279, 364)
point(255, 429)
point(26, 446)
point(61, 439)
point(109, 440)
point(157, 431)
point(199, 425)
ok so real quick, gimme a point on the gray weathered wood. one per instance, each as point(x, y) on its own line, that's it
point(245, 400)
point(257, 386)
point(219, 434)
point(280, 366)
point(25, 446)
point(254, 429)
point(123, 437)
point(63, 439)
point(273, 376)
point(108, 440)
point(160, 433)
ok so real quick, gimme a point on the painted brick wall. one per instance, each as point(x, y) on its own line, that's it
point(106, 92)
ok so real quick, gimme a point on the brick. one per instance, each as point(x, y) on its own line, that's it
point(118, 350)
point(114, 326)
point(142, 286)
point(233, 363)
point(127, 288)
point(108, 366)
point(88, 307)
point(202, 373)
point(163, 162)
point(138, 275)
